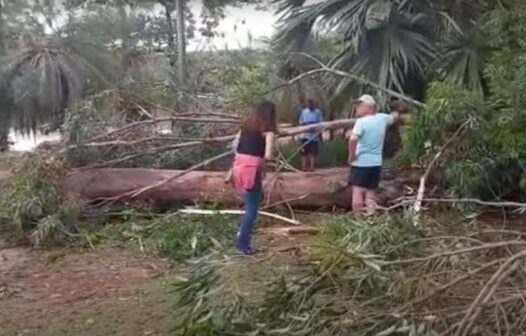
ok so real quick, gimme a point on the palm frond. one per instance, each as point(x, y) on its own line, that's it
point(387, 41)
point(463, 57)
point(40, 81)
point(296, 37)
point(397, 42)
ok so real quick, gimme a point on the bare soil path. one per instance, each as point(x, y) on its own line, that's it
point(100, 292)
point(104, 292)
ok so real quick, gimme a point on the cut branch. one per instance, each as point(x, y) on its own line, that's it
point(190, 141)
point(287, 132)
point(417, 207)
point(487, 293)
point(457, 252)
point(238, 212)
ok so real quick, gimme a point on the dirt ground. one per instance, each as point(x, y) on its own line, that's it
point(103, 292)
point(100, 292)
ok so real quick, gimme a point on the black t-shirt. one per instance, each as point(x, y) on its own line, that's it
point(251, 143)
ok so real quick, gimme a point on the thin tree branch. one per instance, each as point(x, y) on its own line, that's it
point(360, 79)
point(456, 252)
point(238, 212)
point(487, 293)
point(417, 207)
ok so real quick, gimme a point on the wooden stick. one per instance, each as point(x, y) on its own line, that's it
point(189, 141)
point(237, 212)
point(294, 230)
point(487, 292)
point(286, 132)
point(475, 201)
point(456, 252)
point(150, 122)
point(197, 142)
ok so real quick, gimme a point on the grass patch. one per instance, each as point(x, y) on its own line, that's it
point(181, 237)
point(173, 236)
point(380, 236)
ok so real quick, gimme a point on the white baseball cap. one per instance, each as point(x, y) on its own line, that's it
point(367, 99)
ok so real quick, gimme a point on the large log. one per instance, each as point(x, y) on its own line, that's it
point(323, 188)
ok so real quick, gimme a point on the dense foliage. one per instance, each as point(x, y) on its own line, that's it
point(115, 79)
point(488, 160)
point(355, 278)
point(400, 44)
point(110, 64)
point(36, 206)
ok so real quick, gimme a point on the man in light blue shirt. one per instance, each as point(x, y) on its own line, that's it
point(310, 142)
point(365, 153)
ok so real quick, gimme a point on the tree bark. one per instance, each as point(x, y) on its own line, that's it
point(123, 16)
point(2, 28)
point(4, 139)
point(4, 129)
point(169, 24)
point(181, 42)
point(323, 188)
point(170, 34)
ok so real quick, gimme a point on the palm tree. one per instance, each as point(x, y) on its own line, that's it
point(395, 43)
point(38, 83)
point(4, 130)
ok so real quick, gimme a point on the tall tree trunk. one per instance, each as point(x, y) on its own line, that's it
point(123, 17)
point(325, 187)
point(4, 124)
point(181, 42)
point(170, 34)
point(4, 138)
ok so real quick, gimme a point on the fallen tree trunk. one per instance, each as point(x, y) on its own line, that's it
point(323, 188)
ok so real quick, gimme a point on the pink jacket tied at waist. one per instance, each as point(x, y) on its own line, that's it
point(245, 169)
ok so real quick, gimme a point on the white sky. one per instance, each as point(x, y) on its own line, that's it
point(239, 23)
point(240, 27)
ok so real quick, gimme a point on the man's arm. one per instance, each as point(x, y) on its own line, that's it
point(269, 145)
point(352, 145)
point(395, 117)
point(235, 142)
point(357, 132)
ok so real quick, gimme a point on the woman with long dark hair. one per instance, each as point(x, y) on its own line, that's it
point(254, 145)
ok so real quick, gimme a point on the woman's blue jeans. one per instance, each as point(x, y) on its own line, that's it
point(253, 198)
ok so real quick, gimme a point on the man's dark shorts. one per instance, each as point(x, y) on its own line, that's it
point(365, 177)
point(309, 147)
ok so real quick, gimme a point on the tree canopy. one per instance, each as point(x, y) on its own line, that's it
point(399, 44)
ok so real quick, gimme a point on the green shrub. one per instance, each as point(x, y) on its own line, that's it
point(344, 242)
point(332, 153)
point(183, 237)
point(33, 202)
point(179, 237)
point(331, 289)
point(488, 161)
